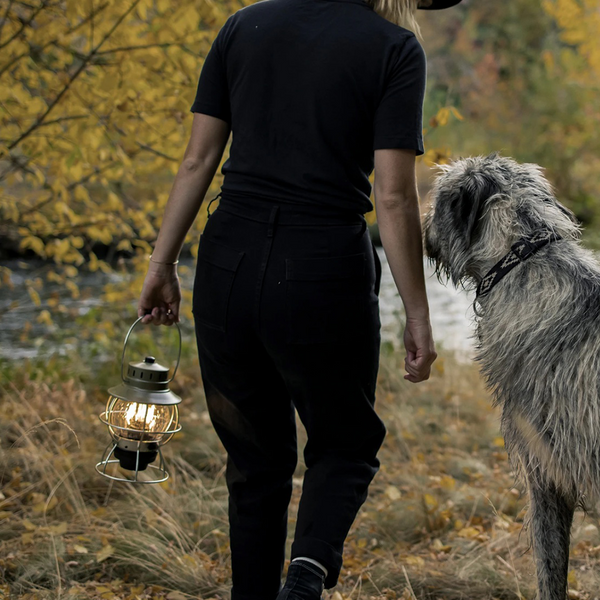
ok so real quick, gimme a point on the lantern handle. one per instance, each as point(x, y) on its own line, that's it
point(125, 346)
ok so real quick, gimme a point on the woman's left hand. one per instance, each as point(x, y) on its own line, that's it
point(161, 296)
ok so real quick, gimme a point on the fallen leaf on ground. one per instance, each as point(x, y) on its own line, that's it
point(104, 553)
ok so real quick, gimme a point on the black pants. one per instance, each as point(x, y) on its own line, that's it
point(286, 310)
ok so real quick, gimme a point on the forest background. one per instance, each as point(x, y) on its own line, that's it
point(94, 118)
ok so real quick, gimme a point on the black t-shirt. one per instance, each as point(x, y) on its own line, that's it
point(311, 88)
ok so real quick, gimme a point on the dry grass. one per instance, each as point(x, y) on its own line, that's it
point(442, 520)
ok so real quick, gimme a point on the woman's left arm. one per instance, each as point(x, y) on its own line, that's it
point(200, 161)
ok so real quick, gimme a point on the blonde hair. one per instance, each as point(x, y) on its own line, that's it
point(400, 12)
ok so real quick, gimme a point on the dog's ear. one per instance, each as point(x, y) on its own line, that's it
point(470, 201)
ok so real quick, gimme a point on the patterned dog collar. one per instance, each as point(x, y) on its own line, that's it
point(520, 251)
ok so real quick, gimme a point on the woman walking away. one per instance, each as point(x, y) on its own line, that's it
point(317, 94)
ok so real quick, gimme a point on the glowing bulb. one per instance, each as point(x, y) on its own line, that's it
point(138, 414)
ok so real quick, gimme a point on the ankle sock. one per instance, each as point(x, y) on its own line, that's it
point(312, 561)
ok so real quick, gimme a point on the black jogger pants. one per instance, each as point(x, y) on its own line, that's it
point(286, 311)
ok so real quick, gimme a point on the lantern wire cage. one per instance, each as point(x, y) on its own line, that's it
point(138, 434)
point(162, 475)
point(140, 421)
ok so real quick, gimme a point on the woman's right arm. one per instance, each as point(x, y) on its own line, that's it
point(399, 222)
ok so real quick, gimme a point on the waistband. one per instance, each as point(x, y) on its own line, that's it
point(260, 209)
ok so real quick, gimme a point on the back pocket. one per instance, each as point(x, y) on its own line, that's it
point(215, 271)
point(326, 298)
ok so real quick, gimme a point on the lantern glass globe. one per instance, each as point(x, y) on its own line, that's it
point(141, 421)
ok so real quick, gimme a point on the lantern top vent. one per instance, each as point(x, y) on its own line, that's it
point(147, 374)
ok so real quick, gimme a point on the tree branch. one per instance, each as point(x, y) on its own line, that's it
point(74, 76)
point(71, 186)
point(24, 24)
point(5, 17)
point(50, 42)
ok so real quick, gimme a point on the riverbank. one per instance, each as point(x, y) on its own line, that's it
point(442, 520)
point(94, 323)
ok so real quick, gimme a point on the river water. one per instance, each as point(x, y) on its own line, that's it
point(451, 311)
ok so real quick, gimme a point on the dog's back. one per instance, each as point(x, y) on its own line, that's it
point(539, 333)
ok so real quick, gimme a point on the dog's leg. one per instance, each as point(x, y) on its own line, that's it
point(551, 519)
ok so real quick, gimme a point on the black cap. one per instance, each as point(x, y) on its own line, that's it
point(439, 4)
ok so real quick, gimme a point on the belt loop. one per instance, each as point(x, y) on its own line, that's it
point(208, 207)
point(272, 220)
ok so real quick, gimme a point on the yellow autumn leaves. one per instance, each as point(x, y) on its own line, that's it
point(441, 155)
point(580, 23)
point(94, 127)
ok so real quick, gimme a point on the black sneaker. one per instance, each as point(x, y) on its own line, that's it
point(304, 581)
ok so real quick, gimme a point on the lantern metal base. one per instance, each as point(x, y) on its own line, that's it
point(101, 467)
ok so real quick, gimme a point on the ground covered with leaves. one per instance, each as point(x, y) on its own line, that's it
point(443, 520)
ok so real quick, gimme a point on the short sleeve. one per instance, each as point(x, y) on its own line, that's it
point(212, 94)
point(399, 116)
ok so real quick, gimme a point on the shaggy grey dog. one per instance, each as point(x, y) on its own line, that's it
point(538, 334)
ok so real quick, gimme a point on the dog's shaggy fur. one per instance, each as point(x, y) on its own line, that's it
point(538, 333)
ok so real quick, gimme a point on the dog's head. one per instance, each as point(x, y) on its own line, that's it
point(480, 206)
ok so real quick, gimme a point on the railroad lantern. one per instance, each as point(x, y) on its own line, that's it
point(142, 415)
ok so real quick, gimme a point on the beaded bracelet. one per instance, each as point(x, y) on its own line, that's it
point(164, 263)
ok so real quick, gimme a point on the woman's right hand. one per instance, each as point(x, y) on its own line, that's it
point(420, 349)
point(161, 296)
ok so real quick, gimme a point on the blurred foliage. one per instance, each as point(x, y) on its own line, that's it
point(525, 76)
